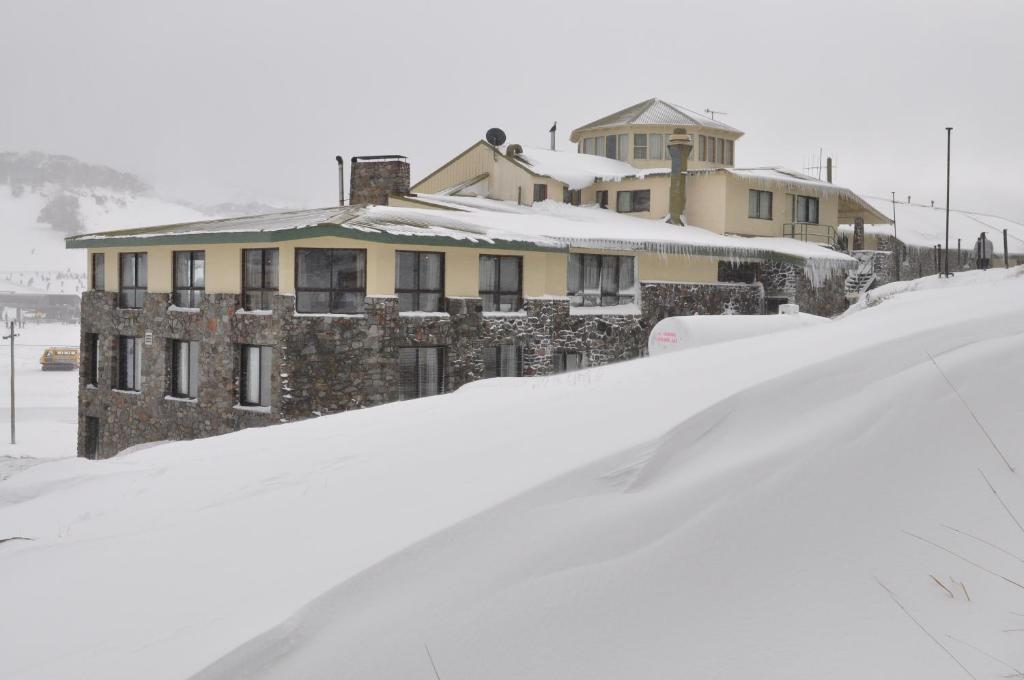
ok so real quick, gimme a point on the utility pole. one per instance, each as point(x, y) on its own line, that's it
point(949, 139)
point(11, 338)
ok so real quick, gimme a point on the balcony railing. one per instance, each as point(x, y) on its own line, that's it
point(822, 234)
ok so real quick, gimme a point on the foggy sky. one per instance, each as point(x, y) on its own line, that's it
point(247, 100)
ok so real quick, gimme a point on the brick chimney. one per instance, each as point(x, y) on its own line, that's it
point(374, 177)
point(679, 146)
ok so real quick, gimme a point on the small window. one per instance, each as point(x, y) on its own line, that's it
point(720, 149)
point(129, 363)
point(565, 362)
point(572, 196)
point(184, 369)
point(92, 359)
point(703, 148)
point(602, 198)
point(419, 281)
point(759, 204)
point(656, 146)
point(540, 192)
point(503, 361)
point(601, 280)
point(611, 146)
point(807, 209)
point(711, 150)
point(599, 146)
point(633, 201)
point(640, 147)
point(729, 151)
point(99, 281)
point(133, 280)
point(588, 146)
point(189, 277)
point(421, 372)
point(330, 281)
point(259, 278)
point(254, 376)
point(501, 283)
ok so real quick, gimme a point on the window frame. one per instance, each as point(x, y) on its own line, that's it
point(580, 297)
point(754, 204)
point(640, 150)
point(497, 293)
point(807, 203)
point(192, 370)
point(656, 149)
point(265, 292)
point(129, 382)
point(331, 290)
point(442, 373)
point(703, 147)
point(193, 293)
point(264, 380)
point(99, 282)
point(540, 192)
point(499, 352)
point(720, 150)
point(419, 290)
point(135, 290)
point(730, 149)
point(632, 200)
point(601, 198)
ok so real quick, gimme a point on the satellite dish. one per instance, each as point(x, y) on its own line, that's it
point(495, 136)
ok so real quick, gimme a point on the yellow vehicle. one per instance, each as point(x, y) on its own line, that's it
point(59, 359)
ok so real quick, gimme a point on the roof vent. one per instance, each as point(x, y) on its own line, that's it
point(513, 150)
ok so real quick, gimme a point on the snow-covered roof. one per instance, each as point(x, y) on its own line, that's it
point(924, 225)
point(655, 112)
point(580, 170)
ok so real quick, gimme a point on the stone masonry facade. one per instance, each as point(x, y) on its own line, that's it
point(330, 363)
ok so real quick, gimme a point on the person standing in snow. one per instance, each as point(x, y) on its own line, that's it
point(983, 251)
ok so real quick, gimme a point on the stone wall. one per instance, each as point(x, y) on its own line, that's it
point(329, 363)
point(373, 180)
point(785, 280)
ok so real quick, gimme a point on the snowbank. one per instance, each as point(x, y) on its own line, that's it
point(688, 332)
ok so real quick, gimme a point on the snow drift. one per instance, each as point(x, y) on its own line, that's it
point(800, 505)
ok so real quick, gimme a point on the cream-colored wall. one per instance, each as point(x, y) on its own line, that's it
point(658, 185)
point(694, 163)
point(223, 266)
point(737, 220)
point(477, 161)
point(705, 201)
point(681, 268)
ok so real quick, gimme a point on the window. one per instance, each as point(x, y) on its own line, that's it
point(501, 283)
point(133, 280)
point(772, 304)
point(421, 372)
point(703, 148)
point(259, 277)
point(720, 149)
point(588, 145)
point(807, 209)
point(92, 359)
point(615, 146)
point(759, 204)
point(564, 362)
point(419, 281)
point(633, 201)
point(184, 369)
point(602, 198)
point(330, 281)
point(129, 363)
point(572, 196)
point(254, 376)
point(599, 146)
point(540, 192)
point(711, 150)
point(189, 277)
point(503, 361)
point(601, 280)
point(656, 146)
point(623, 147)
point(98, 272)
point(640, 147)
point(729, 151)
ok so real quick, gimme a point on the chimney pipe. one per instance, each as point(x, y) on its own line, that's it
point(679, 146)
point(552, 131)
point(341, 180)
point(828, 169)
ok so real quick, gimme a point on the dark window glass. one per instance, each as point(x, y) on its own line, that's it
point(633, 201)
point(92, 437)
point(703, 148)
point(189, 277)
point(602, 198)
point(572, 196)
point(92, 359)
point(419, 281)
point(540, 192)
point(254, 375)
point(601, 280)
point(564, 362)
point(129, 363)
point(184, 369)
point(759, 204)
point(807, 209)
point(503, 361)
point(611, 150)
point(501, 283)
point(99, 281)
point(330, 280)
point(259, 277)
point(421, 371)
point(133, 280)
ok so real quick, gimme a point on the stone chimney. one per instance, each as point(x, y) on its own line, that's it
point(374, 177)
point(679, 146)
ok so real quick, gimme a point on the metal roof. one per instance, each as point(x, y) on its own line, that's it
point(655, 112)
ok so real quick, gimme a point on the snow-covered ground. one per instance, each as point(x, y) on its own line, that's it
point(808, 504)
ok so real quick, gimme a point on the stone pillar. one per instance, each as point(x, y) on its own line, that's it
point(858, 233)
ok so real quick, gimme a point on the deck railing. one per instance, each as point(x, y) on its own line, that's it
point(823, 234)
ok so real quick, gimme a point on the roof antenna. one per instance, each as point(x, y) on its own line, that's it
point(712, 113)
point(554, 127)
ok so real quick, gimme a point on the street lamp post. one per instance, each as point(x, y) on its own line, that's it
point(949, 136)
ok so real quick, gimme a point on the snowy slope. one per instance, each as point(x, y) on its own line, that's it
point(730, 511)
point(925, 226)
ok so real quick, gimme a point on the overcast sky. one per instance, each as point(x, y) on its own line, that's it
point(246, 100)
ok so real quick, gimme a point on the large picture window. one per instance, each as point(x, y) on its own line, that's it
point(638, 200)
point(807, 209)
point(129, 363)
point(503, 361)
point(99, 281)
point(330, 280)
point(254, 376)
point(189, 277)
point(421, 372)
point(133, 280)
point(759, 204)
point(501, 283)
point(259, 277)
point(184, 369)
point(419, 281)
point(601, 280)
